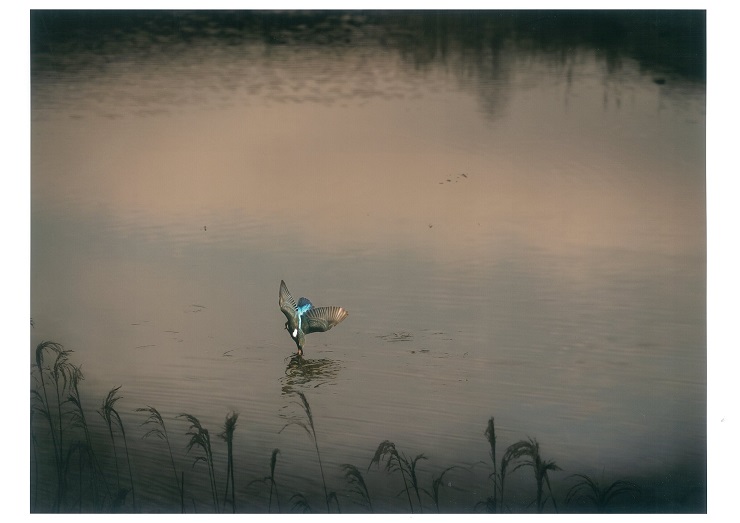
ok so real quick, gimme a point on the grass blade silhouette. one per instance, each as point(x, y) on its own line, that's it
point(111, 417)
point(531, 450)
point(199, 437)
point(80, 420)
point(490, 434)
point(411, 466)
point(300, 502)
point(354, 477)
point(160, 431)
point(590, 490)
point(436, 484)
point(271, 480)
point(387, 450)
point(44, 408)
point(228, 436)
point(312, 433)
point(35, 458)
point(273, 464)
point(61, 374)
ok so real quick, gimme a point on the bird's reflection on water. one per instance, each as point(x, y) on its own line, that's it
point(301, 372)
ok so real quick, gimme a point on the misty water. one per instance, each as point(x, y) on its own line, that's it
point(511, 207)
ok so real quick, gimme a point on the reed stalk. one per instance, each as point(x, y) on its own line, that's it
point(271, 480)
point(79, 420)
point(273, 463)
point(300, 502)
point(354, 477)
point(160, 431)
point(398, 462)
point(587, 489)
point(312, 434)
point(437, 482)
point(112, 417)
point(199, 437)
point(228, 436)
point(490, 434)
point(530, 449)
point(61, 372)
point(43, 407)
point(34, 450)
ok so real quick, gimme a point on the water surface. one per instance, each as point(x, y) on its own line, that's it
point(511, 207)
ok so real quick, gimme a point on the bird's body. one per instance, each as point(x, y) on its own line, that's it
point(304, 318)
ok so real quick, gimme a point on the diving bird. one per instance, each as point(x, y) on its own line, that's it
point(304, 318)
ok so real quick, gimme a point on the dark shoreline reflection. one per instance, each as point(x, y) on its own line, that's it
point(477, 47)
point(666, 41)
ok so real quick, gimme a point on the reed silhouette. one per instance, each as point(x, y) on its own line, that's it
point(79, 420)
point(438, 482)
point(396, 462)
point(40, 402)
point(300, 502)
point(199, 437)
point(61, 428)
point(530, 449)
point(354, 477)
point(523, 453)
point(271, 479)
point(35, 479)
point(111, 417)
point(311, 433)
point(160, 431)
point(492, 502)
point(228, 436)
point(590, 491)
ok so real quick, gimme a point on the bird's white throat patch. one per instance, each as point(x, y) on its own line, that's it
point(295, 332)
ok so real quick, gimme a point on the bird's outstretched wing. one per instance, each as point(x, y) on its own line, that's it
point(288, 306)
point(323, 318)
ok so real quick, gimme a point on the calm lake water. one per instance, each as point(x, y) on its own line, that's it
point(510, 206)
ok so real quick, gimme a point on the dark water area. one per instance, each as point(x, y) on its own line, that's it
point(510, 205)
point(669, 41)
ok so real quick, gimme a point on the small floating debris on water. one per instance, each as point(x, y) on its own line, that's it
point(228, 354)
point(455, 178)
point(397, 336)
point(145, 346)
point(205, 228)
point(659, 80)
point(197, 308)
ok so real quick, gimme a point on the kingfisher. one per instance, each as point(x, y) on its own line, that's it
point(304, 318)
